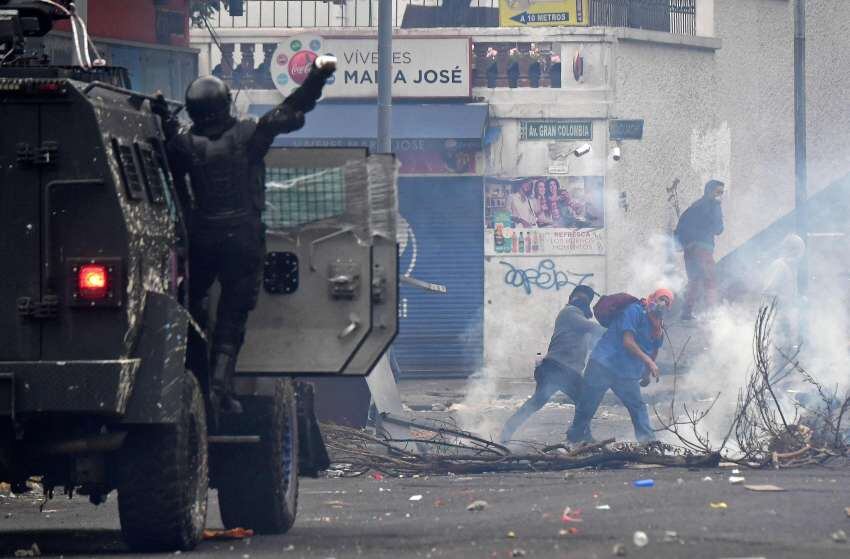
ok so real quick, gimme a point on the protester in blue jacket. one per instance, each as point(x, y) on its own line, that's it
point(619, 361)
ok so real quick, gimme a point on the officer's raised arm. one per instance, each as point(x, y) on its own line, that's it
point(289, 115)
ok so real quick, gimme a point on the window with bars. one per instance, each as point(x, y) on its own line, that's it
point(296, 197)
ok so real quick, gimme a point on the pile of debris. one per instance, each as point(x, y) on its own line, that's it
point(438, 448)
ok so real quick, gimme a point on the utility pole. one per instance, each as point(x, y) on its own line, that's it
point(385, 53)
point(801, 173)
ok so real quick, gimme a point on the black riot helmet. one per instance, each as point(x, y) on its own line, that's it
point(208, 101)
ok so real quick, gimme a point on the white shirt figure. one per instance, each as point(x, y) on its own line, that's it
point(521, 211)
point(781, 285)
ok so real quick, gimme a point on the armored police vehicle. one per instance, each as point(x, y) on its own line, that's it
point(102, 380)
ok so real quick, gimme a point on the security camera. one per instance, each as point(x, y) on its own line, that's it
point(583, 149)
point(617, 153)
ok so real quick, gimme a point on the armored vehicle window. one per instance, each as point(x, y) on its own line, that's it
point(129, 170)
point(154, 175)
point(295, 197)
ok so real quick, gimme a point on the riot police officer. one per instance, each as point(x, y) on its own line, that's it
point(223, 202)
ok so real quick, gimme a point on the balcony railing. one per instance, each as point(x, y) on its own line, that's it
point(495, 64)
point(672, 16)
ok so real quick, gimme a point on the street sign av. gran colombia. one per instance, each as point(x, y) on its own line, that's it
point(555, 129)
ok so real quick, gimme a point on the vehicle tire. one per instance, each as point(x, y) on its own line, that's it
point(258, 484)
point(163, 479)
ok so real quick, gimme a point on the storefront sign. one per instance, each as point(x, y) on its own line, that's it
point(544, 216)
point(545, 13)
point(422, 67)
point(555, 129)
point(625, 129)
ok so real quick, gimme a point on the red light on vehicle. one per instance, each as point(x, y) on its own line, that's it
point(93, 281)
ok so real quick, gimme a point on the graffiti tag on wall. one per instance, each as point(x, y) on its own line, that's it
point(545, 276)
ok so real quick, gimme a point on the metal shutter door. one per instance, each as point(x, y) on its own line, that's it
point(441, 334)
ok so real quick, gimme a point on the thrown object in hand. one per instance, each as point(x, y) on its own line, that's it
point(326, 62)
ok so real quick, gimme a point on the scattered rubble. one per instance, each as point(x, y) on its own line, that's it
point(671, 537)
point(33, 551)
point(619, 550)
point(764, 488)
point(839, 536)
point(477, 506)
point(640, 539)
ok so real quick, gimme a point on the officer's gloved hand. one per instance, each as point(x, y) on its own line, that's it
point(159, 106)
point(325, 65)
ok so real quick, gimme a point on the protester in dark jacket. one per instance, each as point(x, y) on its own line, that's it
point(562, 366)
point(697, 228)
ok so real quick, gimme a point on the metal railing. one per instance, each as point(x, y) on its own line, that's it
point(671, 16)
point(360, 13)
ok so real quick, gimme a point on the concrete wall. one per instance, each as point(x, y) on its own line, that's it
point(673, 88)
point(828, 79)
point(755, 70)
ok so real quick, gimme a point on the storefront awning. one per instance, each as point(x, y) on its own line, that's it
point(335, 122)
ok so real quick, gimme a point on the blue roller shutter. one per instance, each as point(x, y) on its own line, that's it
point(442, 334)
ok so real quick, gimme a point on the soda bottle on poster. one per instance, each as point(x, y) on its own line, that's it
point(536, 245)
point(542, 243)
point(498, 239)
point(521, 244)
point(514, 242)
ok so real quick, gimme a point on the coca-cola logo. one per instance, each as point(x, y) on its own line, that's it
point(300, 64)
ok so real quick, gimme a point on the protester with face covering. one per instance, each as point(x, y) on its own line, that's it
point(560, 369)
point(696, 230)
point(781, 286)
point(619, 361)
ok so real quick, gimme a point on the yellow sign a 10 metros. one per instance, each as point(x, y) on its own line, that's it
point(544, 13)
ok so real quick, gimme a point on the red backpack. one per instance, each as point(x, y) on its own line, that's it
point(609, 307)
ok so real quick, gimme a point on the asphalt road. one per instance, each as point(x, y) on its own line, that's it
point(363, 517)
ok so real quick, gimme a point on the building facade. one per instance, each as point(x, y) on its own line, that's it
point(663, 102)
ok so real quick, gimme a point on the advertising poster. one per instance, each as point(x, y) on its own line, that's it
point(552, 216)
point(544, 13)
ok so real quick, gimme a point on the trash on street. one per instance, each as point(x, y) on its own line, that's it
point(640, 539)
point(764, 487)
point(476, 506)
point(232, 534)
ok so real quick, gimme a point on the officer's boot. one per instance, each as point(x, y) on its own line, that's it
point(223, 367)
